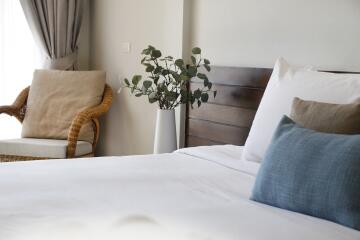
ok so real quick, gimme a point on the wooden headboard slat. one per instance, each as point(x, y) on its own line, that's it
point(193, 141)
point(239, 76)
point(236, 96)
point(219, 132)
point(228, 118)
point(228, 115)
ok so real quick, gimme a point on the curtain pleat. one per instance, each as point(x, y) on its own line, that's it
point(56, 26)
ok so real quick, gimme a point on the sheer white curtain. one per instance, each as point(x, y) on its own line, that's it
point(19, 56)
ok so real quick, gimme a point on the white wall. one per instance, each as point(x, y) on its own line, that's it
point(129, 127)
point(323, 33)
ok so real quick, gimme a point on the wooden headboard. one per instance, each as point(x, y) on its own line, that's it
point(227, 118)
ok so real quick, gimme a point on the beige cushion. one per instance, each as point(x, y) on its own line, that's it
point(326, 117)
point(43, 148)
point(56, 97)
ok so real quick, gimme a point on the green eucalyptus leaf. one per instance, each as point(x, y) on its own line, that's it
point(152, 97)
point(196, 50)
point(192, 71)
point(165, 72)
point(146, 51)
point(172, 96)
point(207, 67)
point(176, 76)
point(197, 93)
point(179, 62)
point(204, 97)
point(138, 95)
point(193, 60)
point(202, 76)
point(136, 79)
point(199, 103)
point(156, 79)
point(215, 92)
point(158, 69)
point(152, 100)
point(147, 84)
point(209, 85)
point(126, 81)
point(206, 82)
point(149, 68)
point(162, 87)
point(184, 77)
point(155, 54)
point(206, 61)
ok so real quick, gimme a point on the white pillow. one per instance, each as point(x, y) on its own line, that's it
point(287, 82)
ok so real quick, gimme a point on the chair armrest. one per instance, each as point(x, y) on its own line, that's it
point(18, 108)
point(9, 110)
point(85, 116)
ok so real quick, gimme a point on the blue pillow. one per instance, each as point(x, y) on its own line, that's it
point(313, 173)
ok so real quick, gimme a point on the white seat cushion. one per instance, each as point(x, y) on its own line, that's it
point(42, 148)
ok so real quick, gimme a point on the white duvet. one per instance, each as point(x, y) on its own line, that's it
point(199, 193)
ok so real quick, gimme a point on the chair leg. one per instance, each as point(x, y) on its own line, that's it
point(96, 127)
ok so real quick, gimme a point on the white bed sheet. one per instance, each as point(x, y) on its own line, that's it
point(225, 155)
point(169, 196)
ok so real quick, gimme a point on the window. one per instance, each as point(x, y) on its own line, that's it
point(18, 58)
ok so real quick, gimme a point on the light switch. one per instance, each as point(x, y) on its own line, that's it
point(125, 47)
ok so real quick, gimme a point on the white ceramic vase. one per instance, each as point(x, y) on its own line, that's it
point(165, 132)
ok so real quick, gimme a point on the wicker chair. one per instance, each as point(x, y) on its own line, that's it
point(18, 110)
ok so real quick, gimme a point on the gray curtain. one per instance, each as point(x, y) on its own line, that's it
point(56, 25)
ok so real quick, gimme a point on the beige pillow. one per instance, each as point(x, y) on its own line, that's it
point(56, 97)
point(327, 117)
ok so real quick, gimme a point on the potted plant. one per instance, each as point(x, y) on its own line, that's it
point(167, 85)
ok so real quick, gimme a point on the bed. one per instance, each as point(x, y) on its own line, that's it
point(196, 193)
point(189, 194)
